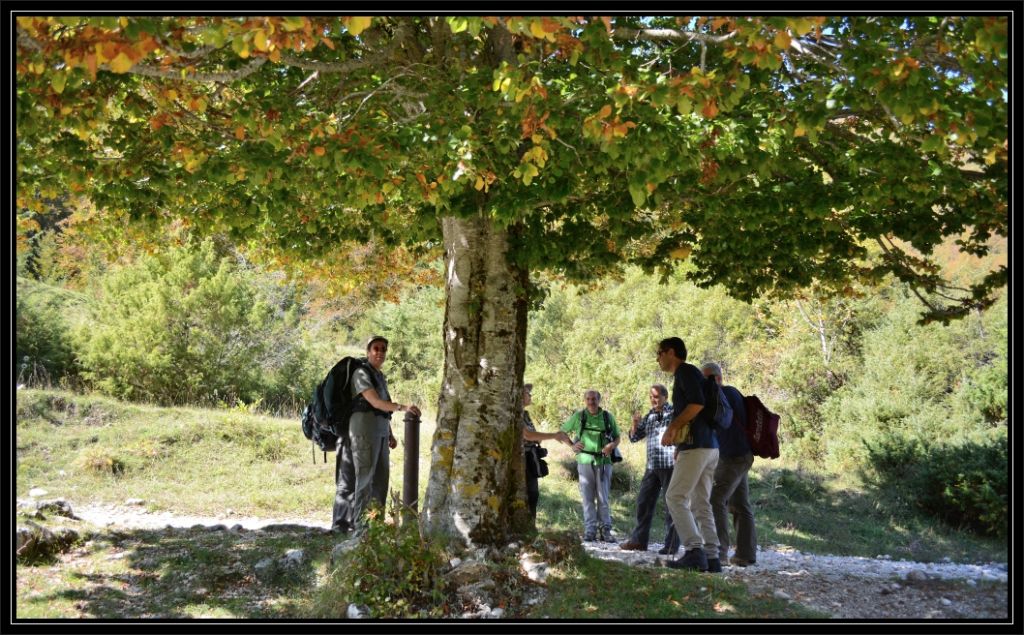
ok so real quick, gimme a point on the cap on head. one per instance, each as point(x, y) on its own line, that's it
point(715, 369)
point(375, 338)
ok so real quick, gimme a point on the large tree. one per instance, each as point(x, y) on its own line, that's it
point(774, 152)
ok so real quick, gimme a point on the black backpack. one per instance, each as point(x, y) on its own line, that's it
point(717, 412)
point(325, 417)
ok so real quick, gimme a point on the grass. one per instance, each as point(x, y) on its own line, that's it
point(86, 448)
point(174, 573)
point(580, 590)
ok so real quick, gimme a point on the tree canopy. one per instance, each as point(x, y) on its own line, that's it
point(772, 151)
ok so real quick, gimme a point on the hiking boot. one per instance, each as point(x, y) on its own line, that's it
point(607, 535)
point(694, 560)
point(667, 551)
point(589, 537)
point(714, 565)
point(629, 545)
point(741, 562)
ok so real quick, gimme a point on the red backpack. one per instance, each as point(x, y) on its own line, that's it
point(762, 428)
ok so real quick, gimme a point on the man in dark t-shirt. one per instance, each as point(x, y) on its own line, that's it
point(689, 491)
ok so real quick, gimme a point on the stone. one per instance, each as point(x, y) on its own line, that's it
point(237, 527)
point(945, 601)
point(58, 506)
point(780, 594)
point(454, 562)
point(357, 612)
point(916, 574)
point(135, 502)
point(497, 613)
point(468, 573)
point(35, 541)
point(478, 594)
point(293, 558)
point(538, 572)
point(971, 582)
point(265, 569)
point(37, 491)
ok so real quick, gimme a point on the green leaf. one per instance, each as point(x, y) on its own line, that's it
point(458, 24)
point(684, 105)
point(57, 82)
point(638, 192)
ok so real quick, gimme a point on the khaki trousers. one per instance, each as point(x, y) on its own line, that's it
point(689, 499)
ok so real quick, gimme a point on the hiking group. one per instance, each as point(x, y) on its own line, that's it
point(700, 447)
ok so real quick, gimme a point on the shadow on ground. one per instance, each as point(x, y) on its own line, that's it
point(190, 572)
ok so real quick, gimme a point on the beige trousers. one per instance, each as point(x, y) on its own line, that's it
point(689, 499)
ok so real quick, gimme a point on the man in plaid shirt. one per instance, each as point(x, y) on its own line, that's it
point(659, 471)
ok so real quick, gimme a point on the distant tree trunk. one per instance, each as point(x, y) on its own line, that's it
point(476, 490)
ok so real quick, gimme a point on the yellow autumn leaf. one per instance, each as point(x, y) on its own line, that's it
point(121, 64)
point(240, 133)
point(479, 185)
point(537, 29)
point(990, 157)
point(259, 40)
point(605, 111)
point(681, 253)
point(782, 40)
point(359, 23)
point(799, 131)
point(319, 151)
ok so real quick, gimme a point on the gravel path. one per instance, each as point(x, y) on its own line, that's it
point(843, 587)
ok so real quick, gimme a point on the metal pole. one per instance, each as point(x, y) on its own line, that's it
point(411, 472)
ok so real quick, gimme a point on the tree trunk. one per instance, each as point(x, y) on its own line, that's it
point(476, 492)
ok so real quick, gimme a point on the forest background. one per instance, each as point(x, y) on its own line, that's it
point(864, 390)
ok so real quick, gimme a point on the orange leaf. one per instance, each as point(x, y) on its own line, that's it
point(604, 112)
point(240, 133)
point(710, 109)
point(91, 64)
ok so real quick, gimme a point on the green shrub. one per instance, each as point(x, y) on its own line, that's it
point(189, 326)
point(392, 570)
point(962, 482)
point(45, 351)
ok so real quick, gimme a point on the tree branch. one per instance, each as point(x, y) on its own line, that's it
point(670, 35)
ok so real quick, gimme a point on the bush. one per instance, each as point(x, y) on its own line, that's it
point(189, 326)
point(964, 482)
point(45, 351)
point(393, 570)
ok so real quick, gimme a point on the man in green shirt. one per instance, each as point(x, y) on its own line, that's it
point(595, 436)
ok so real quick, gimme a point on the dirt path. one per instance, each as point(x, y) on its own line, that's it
point(843, 587)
